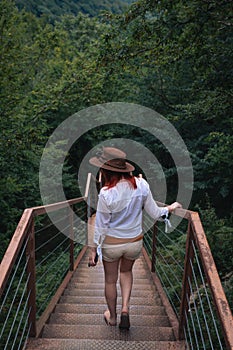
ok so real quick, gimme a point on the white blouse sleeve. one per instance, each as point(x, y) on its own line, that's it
point(103, 216)
point(156, 212)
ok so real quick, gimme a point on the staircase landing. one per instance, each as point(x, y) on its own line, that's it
point(77, 321)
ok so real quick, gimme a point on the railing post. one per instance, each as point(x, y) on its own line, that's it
point(187, 277)
point(31, 285)
point(154, 246)
point(71, 223)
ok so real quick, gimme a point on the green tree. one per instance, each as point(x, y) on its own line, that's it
point(21, 134)
point(54, 9)
point(178, 55)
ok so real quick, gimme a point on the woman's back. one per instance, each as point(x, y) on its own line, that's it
point(122, 206)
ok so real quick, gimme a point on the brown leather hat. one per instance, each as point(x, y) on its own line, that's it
point(112, 159)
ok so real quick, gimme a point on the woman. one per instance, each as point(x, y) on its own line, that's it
point(118, 227)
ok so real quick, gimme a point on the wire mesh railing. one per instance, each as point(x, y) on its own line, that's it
point(14, 313)
point(39, 259)
point(182, 269)
point(52, 256)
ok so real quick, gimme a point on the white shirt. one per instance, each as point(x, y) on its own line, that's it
point(119, 210)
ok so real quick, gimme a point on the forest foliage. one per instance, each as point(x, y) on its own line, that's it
point(174, 57)
point(53, 9)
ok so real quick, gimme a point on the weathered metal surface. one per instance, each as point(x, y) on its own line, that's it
point(183, 213)
point(14, 248)
point(21, 233)
point(31, 286)
point(77, 318)
point(88, 344)
point(187, 278)
point(71, 237)
point(101, 331)
point(214, 282)
point(169, 310)
point(46, 314)
point(219, 297)
point(154, 247)
point(56, 206)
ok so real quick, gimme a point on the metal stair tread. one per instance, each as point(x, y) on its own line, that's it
point(101, 300)
point(103, 332)
point(88, 319)
point(77, 320)
point(100, 292)
point(97, 285)
point(100, 308)
point(87, 273)
point(89, 344)
point(96, 279)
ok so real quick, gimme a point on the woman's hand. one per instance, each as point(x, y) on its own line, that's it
point(174, 206)
point(92, 256)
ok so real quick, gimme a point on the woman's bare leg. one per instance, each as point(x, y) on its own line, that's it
point(111, 276)
point(126, 282)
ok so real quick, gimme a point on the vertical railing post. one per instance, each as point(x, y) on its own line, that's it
point(187, 278)
point(31, 285)
point(154, 247)
point(71, 225)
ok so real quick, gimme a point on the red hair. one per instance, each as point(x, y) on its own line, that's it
point(111, 178)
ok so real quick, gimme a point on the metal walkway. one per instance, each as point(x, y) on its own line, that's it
point(50, 299)
point(77, 321)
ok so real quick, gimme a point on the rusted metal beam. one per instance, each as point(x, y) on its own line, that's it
point(31, 286)
point(154, 246)
point(14, 248)
point(219, 297)
point(187, 278)
point(183, 213)
point(56, 206)
point(169, 310)
point(21, 233)
point(71, 222)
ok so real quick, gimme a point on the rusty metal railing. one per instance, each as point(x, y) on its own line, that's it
point(29, 269)
point(200, 312)
point(186, 270)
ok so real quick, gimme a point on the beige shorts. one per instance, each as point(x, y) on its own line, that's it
point(130, 251)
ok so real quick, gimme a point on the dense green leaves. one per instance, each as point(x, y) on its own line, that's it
point(47, 73)
point(53, 9)
point(174, 57)
point(179, 56)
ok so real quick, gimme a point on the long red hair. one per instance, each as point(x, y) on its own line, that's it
point(111, 178)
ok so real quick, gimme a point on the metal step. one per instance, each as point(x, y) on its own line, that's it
point(146, 301)
point(77, 321)
point(96, 279)
point(72, 291)
point(101, 331)
point(88, 344)
point(95, 319)
point(100, 308)
point(93, 286)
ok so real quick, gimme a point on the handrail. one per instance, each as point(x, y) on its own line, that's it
point(25, 232)
point(219, 297)
point(21, 232)
point(23, 241)
point(196, 233)
point(14, 247)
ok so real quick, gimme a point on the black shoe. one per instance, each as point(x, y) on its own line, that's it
point(124, 323)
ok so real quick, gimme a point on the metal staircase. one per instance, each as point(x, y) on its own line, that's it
point(50, 299)
point(77, 321)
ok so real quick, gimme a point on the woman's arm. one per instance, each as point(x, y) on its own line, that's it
point(157, 212)
point(103, 216)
